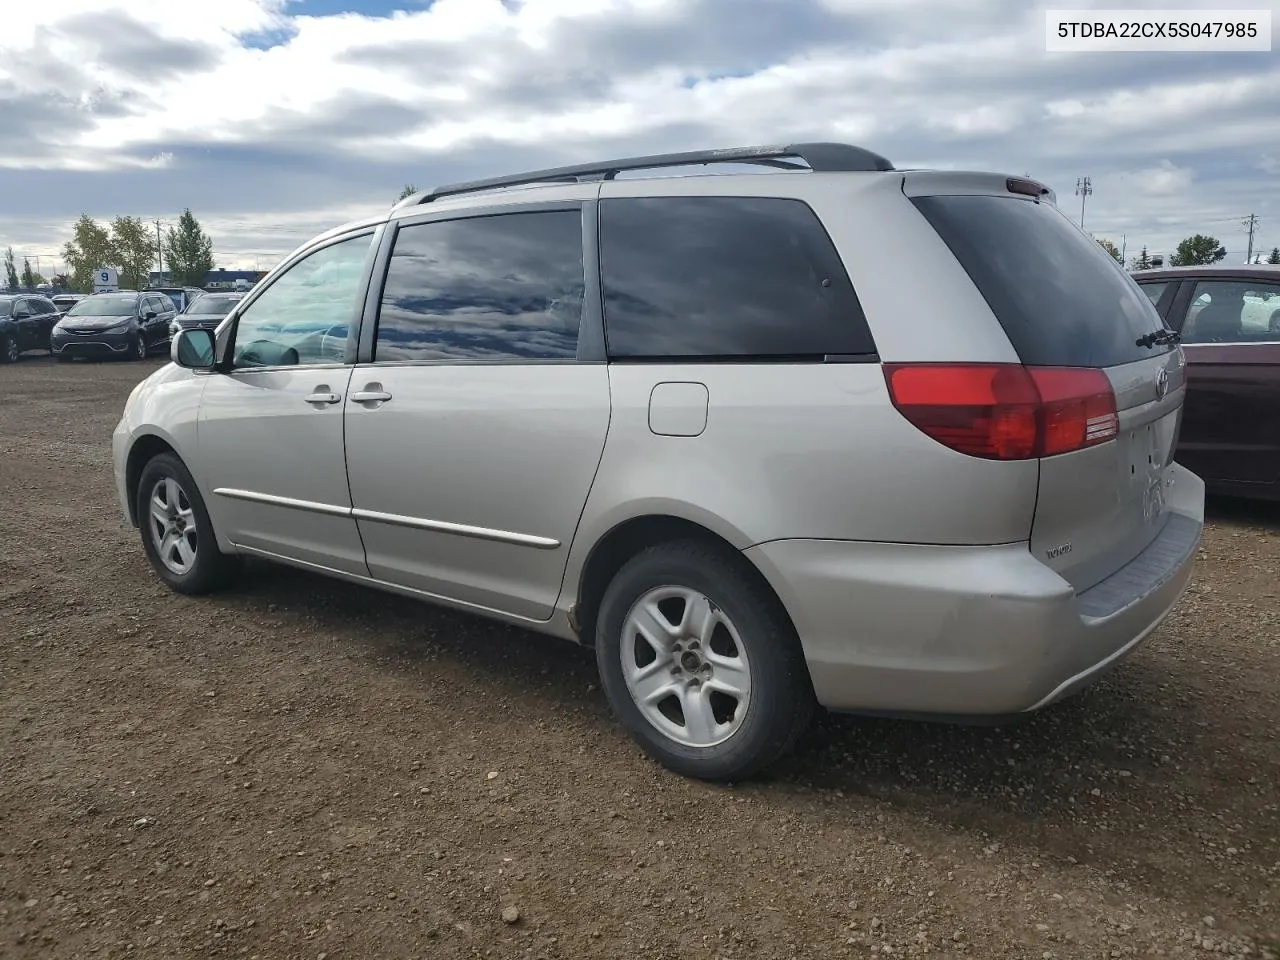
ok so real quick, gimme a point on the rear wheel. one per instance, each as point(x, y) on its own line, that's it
point(702, 666)
point(177, 534)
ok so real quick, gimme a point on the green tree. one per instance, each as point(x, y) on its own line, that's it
point(1274, 257)
point(188, 251)
point(1197, 251)
point(90, 248)
point(29, 279)
point(408, 191)
point(10, 271)
point(1111, 249)
point(1142, 261)
point(135, 251)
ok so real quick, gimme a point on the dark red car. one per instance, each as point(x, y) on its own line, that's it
point(1229, 318)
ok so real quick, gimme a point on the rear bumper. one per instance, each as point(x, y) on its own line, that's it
point(971, 631)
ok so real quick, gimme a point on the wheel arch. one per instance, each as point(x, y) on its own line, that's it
point(144, 449)
point(629, 537)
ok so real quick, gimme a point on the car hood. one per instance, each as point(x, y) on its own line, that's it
point(86, 322)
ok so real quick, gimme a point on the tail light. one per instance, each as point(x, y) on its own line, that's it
point(1006, 411)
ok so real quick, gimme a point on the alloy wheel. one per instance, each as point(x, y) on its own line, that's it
point(172, 525)
point(685, 666)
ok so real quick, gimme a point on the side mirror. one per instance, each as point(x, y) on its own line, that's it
point(193, 349)
point(149, 315)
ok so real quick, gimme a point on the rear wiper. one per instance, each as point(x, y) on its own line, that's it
point(1159, 337)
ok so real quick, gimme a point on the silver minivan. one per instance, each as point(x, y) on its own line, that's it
point(826, 433)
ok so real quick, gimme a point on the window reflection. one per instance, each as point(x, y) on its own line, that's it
point(305, 315)
point(488, 288)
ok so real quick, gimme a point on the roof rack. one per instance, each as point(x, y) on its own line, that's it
point(820, 158)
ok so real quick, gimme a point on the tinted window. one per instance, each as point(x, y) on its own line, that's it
point(1062, 300)
point(724, 277)
point(6, 307)
point(1233, 311)
point(489, 288)
point(304, 316)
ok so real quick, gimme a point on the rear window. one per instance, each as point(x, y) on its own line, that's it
point(1061, 299)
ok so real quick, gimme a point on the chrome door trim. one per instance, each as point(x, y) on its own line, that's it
point(374, 516)
point(459, 529)
point(288, 502)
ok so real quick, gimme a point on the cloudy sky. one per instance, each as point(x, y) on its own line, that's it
point(274, 119)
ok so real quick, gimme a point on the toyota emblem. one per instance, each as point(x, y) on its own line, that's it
point(1162, 383)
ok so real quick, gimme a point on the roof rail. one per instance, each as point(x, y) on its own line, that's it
point(820, 157)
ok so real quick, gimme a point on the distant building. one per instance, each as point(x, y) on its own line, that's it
point(213, 280)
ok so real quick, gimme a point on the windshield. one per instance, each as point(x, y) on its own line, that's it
point(212, 305)
point(104, 306)
point(5, 307)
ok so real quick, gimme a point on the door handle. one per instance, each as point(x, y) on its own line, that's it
point(371, 394)
point(322, 397)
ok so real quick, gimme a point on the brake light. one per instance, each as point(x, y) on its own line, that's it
point(1005, 411)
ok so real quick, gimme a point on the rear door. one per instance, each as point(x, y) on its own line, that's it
point(1231, 334)
point(1063, 302)
point(474, 431)
point(26, 317)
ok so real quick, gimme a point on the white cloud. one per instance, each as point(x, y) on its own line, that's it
point(268, 123)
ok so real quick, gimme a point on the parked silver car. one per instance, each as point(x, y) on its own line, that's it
point(836, 434)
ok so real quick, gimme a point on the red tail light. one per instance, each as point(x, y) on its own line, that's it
point(1005, 411)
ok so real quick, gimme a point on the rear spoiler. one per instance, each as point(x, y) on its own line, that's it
point(926, 183)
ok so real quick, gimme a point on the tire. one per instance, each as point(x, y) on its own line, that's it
point(139, 348)
point(9, 351)
point(199, 566)
point(725, 738)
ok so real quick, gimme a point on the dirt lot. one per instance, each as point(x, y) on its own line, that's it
point(301, 768)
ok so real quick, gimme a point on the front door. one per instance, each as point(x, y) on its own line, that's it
point(271, 426)
point(474, 434)
point(1231, 421)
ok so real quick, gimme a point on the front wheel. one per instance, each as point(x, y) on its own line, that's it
point(9, 351)
point(177, 534)
point(702, 666)
point(140, 348)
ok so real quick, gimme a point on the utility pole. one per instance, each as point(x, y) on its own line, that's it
point(1251, 224)
point(1084, 187)
point(159, 252)
point(1123, 240)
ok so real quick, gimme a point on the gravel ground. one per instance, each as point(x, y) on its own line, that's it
point(302, 768)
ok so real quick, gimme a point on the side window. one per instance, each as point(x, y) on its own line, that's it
point(304, 316)
point(21, 309)
point(46, 306)
point(1233, 311)
point(504, 287)
point(1154, 290)
point(725, 277)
